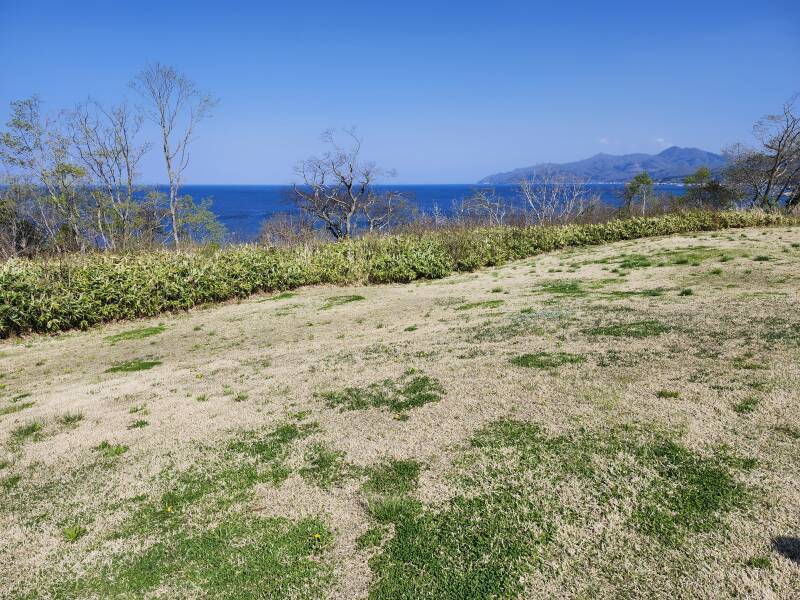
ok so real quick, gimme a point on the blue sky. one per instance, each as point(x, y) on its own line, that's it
point(440, 91)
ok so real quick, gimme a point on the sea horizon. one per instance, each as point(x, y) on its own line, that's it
point(242, 208)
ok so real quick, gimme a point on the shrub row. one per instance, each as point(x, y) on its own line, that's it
point(80, 291)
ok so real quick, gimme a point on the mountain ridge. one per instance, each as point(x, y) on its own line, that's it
point(669, 165)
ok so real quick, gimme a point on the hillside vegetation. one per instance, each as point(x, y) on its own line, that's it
point(80, 291)
point(616, 420)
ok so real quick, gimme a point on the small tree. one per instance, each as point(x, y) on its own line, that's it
point(485, 206)
point(550, 198)
point(338, 188)
point(39, 151)
point(176, 106)
point(704, 191)
point(638, 190)
point(105, 143)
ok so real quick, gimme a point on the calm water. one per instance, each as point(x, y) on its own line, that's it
point(242, 208)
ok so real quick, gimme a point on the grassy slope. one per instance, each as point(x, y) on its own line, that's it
point(618, 420)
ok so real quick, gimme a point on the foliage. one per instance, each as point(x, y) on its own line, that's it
point(705, 192)
point(81, 291)
point(637, 191)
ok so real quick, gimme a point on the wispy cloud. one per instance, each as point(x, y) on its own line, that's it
point(604, 141)
point(660, 141)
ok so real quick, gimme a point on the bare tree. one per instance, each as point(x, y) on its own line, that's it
point(338, 186)
point(176, 105)
point(766, 176)
point(383, 211)
point(551, 198)
point(105, 142)
point(485, 206)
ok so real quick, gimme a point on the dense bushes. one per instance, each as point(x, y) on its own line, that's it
point(81, 291)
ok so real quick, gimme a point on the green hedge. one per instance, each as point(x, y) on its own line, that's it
point(78, 292)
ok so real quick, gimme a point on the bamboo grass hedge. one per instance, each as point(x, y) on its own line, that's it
point(80, 291)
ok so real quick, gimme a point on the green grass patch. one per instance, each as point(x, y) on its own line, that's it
point(334, 301)
point(198, 535)
point(668, 394)
point(70, 419)
point(394, 478)
point(637, 329)
point(10, 482)
point(72, 533)
point(411, 390)
point(110, 450)
point(14, 408)
point(281, 296)
point(135, 334)
point(487, 540)
point(483, 304)
point(759, 562)
point(547, 360)
point(651, 293)
point(325, 467)
point(564, 288)
point(634, 261)
point(131, 366)
point(371, 538)
point(746, 406)
point(27, 431)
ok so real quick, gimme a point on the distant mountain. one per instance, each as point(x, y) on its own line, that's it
point(670, 165)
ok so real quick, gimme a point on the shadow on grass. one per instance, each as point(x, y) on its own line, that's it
point(788, 547)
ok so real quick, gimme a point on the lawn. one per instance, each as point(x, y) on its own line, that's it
point(572, 425)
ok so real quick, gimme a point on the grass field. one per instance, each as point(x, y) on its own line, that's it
point(612, 421)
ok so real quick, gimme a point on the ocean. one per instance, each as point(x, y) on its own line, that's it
point(242, 208)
